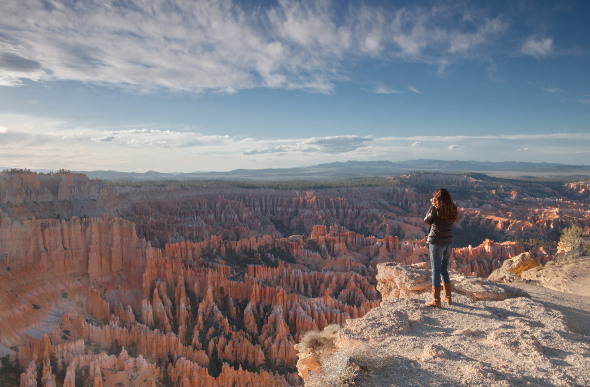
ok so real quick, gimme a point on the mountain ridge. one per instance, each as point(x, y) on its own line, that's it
point(357, 169)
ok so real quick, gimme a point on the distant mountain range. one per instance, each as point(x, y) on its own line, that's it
point(357, 169)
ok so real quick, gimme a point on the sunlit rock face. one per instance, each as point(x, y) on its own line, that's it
point(172, 283)
point(513, 268)
point(100, 248)
point(94, 281)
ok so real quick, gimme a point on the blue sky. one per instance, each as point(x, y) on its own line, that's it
point(217, 85)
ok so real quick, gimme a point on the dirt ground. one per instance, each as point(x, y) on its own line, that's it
point(574, 307)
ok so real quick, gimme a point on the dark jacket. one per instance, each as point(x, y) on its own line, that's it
point(441, 231)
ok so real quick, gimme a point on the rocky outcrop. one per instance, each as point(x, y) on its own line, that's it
point(472, 342)
point(402, 281)
point(512, 268)
point(22, 186)
point(395, 280)
point(194, 311)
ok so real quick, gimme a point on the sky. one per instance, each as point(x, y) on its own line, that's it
point(217, 85)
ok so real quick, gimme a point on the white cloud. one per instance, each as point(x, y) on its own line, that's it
point(158, 138)
point(414, 90)
point(461, 42)
point(382, 89)
point(3, 129)
point(43, 143)
point(537, 46)
point(330, 145)
point(227, 46)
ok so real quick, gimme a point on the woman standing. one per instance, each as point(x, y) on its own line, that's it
point(441, 216)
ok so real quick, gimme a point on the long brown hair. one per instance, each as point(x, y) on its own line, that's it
point(445, 206)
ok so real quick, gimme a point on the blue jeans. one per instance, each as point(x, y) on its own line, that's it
point(439, 262)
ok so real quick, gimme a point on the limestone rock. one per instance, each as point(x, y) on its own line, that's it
point(406, 281)
point(512, 268)
point(481, 289)
point(395, 280)
point(467, 343)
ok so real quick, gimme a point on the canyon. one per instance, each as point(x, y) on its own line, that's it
point(213, 283)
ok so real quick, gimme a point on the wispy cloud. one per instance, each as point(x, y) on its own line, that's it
point(382, 89)
point(39, 142)
point(227, 46)
point(556, 90)
point(330, 145)
point(414, 90)
point(462, 42)
point(538, 47)
point(158, 138)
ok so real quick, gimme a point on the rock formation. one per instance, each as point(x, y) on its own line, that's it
point(513, 268)
point(101, 365)
point(185, 310)
point(100, 247)
point(580, 187)
point(209, 285)
point(396, 280)
point(471, 342)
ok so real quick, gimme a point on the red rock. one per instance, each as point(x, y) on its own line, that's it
point(29, 377)
point(190, 297)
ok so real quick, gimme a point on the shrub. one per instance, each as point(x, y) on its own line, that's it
point(316, 341)
point(571, 238)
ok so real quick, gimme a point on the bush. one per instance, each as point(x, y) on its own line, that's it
point(316, 341)
point(571, 238)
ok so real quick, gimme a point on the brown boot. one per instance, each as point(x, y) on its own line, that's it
point(435, 303)
point(447, 293)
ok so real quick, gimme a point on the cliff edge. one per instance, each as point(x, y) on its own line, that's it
point(493, 334)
